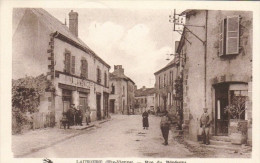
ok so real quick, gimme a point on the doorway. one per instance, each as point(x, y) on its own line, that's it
point(66, 99)
point(221, 101)
point(105, 104)
point(98, 100)
point(83, 102)
point(112, 106)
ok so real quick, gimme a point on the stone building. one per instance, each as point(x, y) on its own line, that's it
point(44, 45)
point(217, 48)
point(122, 88)
point(165, 97)
point(145, 99)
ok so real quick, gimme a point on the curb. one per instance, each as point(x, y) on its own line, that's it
point(36, 149)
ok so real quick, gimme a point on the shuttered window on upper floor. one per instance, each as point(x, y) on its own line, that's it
point(84, 68)
point(232, 40)
point(229, 36)
point(73, 64)
point(67, 62)
point(98, 76)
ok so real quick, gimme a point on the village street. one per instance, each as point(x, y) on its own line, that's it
point(121, 137)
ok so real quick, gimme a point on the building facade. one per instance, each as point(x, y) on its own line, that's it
point(122, 88)
point(145, 100)
point(217, 47)
point(44, 45)
point(165, 78)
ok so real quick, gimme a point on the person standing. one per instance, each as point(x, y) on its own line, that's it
point(88, 115)
point(165, 127)
point(205, 124)
point(145, 120)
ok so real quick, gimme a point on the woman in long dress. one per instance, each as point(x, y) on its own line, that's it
point(145, 120)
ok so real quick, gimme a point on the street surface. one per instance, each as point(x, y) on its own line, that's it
point(121, 137)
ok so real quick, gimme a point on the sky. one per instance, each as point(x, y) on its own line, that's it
point(137, 39)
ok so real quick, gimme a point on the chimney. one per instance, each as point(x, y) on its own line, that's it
point(73, 22)
point(118, 69)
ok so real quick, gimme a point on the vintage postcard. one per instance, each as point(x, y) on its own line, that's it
point(129, 82)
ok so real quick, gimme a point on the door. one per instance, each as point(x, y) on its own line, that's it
point(66, 99)
point(112, 106)
point(221, 101)
point(84, 103)
point(105, 104)
point(98, 107)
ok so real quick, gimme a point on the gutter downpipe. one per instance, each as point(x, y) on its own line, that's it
point(205, 58)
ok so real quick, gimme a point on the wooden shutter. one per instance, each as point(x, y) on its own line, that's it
point(221, 38)
point(67, 62)
point(105, 79)
point(73, 64)
point(83, 68)
point(232, 40)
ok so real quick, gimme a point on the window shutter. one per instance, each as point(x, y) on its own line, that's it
point(73, 65)
point(232, 41)
point(67, 62)
point(221, 38)
point(83, 68)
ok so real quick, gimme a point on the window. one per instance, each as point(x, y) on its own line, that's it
point(73, 64)
point(67, 62)
point(105, 79)
point(113, 89)
point(164, 80)
point(159, 82)
point(229, 36)
point(84, 68)
point(238, 98)
point(170, 77)
point(98, 76)
point(123, 90)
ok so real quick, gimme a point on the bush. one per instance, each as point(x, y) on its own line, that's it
point(26, 94)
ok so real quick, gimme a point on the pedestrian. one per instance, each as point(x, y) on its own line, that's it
point(71, 114)
point(88, 115)
point(205, 121)
point(165, 127)
point(145, 120)
point(65, 121)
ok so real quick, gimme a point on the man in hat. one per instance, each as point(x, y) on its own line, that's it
point(205, 121)
point(165, 127)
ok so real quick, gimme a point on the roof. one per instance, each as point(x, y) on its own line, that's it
point(114, 75)
point(172, 63)
point(54, 25)
point(144, 92)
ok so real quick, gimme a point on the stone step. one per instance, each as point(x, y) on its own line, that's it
point(224, 147)
point(221, 138)
point(217, 142)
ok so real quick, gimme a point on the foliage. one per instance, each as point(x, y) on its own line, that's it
point(26, 94)
point(178, 86)
point(237, 107)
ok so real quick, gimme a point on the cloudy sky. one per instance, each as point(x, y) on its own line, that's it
point(138, 39)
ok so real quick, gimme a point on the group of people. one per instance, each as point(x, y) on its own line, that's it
point(205, 122)
point(74, 116)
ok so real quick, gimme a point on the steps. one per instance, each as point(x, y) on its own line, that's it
point(221, 138)
point(222, 142)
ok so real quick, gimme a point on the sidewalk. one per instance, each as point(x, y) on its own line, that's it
point(36, 140)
